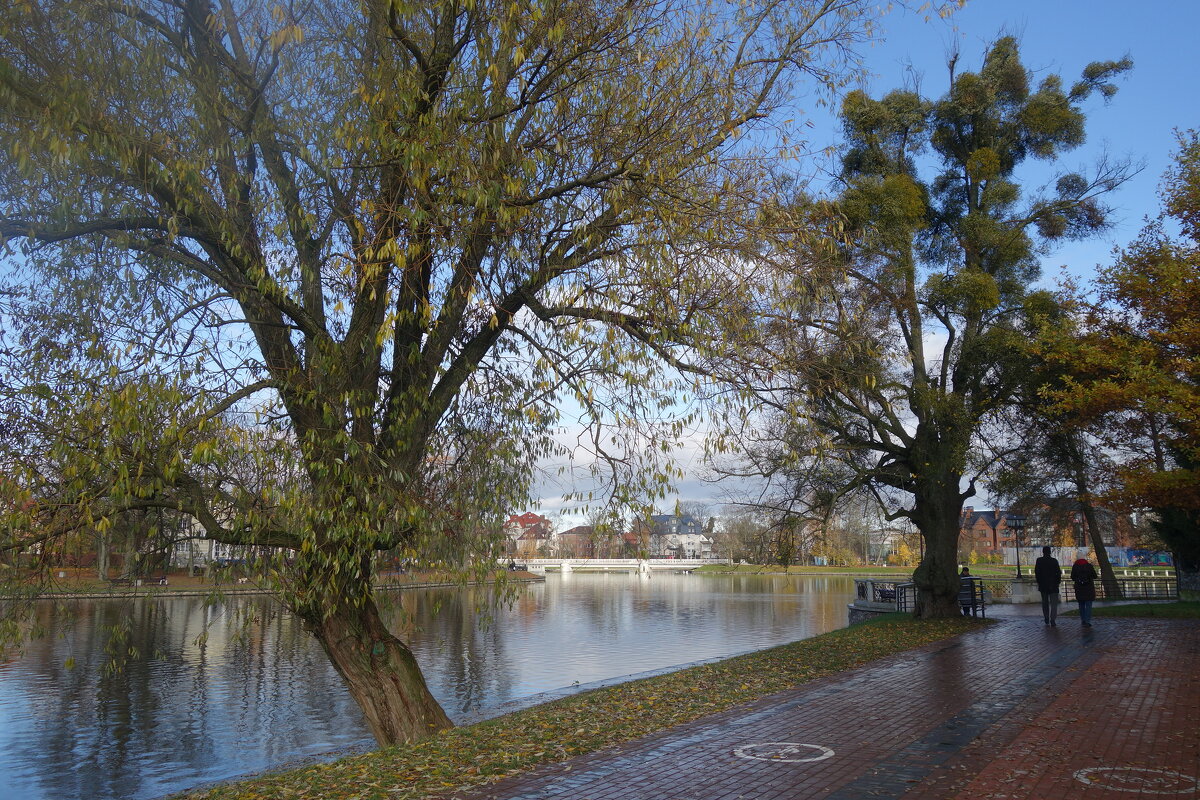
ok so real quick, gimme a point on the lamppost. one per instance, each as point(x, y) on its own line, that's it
point(1017, 523)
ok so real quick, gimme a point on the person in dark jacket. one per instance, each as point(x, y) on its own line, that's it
point(1083, 574)
point(966, 592)
point(1048, 574)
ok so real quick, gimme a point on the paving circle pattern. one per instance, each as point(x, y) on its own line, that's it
point(1143, 780)
point(787, 752)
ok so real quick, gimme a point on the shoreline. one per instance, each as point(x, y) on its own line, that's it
point(581, 719)
point(468, 720)
point(471, 756)
point(155, 592)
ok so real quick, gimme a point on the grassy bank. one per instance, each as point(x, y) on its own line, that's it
point(1182, 609)
point(586, 722)
point(83, 584)
point(979, 570)
point(775, 569)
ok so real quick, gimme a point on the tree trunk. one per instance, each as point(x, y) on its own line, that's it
point(1187, 574)
point(102, 556)
point(381, 674)
point(130, 568)
point(1180, 531)
point(1108, 578)
point(1112, 589)
point(937, 510)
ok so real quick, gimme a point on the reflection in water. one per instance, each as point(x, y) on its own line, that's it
point(165, 695)
point(151, 705)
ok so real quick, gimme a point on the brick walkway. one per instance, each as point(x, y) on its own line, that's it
point(1016, 710)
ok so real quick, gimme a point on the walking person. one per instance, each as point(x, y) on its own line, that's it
point(1048, 574)
point(1083, 574)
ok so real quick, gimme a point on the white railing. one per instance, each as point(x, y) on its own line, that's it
point(616, 564)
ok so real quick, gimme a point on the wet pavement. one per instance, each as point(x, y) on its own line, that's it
point(1013, 710)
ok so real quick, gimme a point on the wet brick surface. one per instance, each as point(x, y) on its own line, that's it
point(1016, 710)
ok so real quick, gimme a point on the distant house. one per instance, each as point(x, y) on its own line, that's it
point(678, 536)
point(578, 542)
point(1060, 522)
point(635, 543)
point(984, 530)
point(193, 549)
point(1055, 522)
point(530, 535)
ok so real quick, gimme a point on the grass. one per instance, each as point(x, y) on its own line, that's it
point(978, 570)
point(586, 722)
point(83, 582)
point(775, 569)
point(1182, 609)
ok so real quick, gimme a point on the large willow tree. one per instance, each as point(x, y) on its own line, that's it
point(316, 273)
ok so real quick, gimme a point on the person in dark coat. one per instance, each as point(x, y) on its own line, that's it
point(966, 592)
point(1083, 574)
point(1048, 574)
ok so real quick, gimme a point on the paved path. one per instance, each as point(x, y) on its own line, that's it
point(1015, 710)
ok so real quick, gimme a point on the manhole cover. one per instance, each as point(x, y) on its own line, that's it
point(788, 752)
point(1146, 780)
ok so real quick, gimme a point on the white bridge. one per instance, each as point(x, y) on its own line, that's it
point(540, 565)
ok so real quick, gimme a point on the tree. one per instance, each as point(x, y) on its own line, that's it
point(1135, 366)
point(904, 556)
point(886, 375)
point(1056, 454)
point(372, 244)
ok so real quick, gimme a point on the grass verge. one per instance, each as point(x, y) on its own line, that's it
point(583, 723)
point(775, 569)
point(979, 570)
point(1182, 609)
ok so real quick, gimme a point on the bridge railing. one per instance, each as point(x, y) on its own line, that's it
point(601, 563)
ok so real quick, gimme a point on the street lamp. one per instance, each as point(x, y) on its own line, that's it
point(1017, 523)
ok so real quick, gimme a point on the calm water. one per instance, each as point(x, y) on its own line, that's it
point(140, 699)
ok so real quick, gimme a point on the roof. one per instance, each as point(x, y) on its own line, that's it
point(528, 518)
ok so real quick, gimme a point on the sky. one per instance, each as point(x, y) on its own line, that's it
point(1157, 97)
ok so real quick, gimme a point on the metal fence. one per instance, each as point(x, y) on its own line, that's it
point(1158, 588)
point(999, 590)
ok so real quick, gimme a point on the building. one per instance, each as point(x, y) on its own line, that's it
point(985, 531)
point(678, 536)
point(1060, 522)
point(530, 535)
point(579, 542)
point(1053, 522)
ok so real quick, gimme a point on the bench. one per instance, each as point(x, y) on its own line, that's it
point(972, 597)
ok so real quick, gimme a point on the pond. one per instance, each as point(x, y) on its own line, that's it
point(142, 698)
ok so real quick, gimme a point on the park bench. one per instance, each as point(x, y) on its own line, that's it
point(972, 597)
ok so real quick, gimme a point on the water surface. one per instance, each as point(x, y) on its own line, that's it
point(138, 699)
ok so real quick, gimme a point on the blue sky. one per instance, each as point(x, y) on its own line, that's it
point(1057, 36)
point(1158, 96)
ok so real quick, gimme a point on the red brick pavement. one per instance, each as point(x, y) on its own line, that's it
point(1014, 710)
